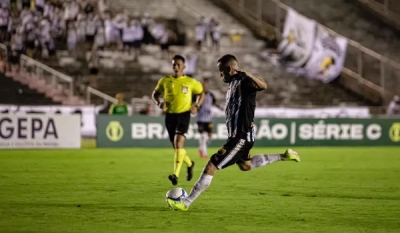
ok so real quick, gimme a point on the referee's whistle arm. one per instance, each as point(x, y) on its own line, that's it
point(156, 97)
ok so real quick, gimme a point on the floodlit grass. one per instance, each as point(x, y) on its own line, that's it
point(334, 190)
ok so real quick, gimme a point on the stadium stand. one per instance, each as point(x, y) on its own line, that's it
point(12, 91)
point(385, 10)
point(286, 89)
point(135, 76)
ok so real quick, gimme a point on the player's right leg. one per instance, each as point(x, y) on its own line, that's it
point(225, 157)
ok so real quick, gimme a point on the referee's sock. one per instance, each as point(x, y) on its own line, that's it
point(187, 160)
point(179, 157)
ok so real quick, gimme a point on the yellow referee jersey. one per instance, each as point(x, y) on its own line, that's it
point(178, 92)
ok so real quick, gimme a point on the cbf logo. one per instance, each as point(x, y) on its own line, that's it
point(114, 131)
point(394, 132)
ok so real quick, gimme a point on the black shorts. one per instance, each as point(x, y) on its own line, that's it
point(234, 151)
point(40, 9)
point(90, 38)
point(93, 71)
point(128, 44)
point(177, 123)
point(164, 47)
point(199, 42)
point(205, 127)
point(137, 44)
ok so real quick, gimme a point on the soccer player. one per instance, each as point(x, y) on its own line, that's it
point(204, 119)
point(240, 107)
point(178, 90)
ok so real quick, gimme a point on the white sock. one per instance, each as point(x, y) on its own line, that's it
point(262, 160)
point(200, 186)
point(201, 142)
point(205, 140)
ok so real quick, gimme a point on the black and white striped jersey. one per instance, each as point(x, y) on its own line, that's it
point(205, 112)
point(240, 107)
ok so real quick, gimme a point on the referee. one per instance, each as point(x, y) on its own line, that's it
point(177, 91)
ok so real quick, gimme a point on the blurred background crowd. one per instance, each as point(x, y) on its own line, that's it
point(106, 47)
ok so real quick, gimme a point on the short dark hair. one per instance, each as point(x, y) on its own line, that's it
point(179, 57)
point(226, 59)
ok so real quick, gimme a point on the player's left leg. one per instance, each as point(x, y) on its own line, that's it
point(260, 160)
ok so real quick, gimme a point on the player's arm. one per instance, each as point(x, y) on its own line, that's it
point(258, 83)
point(157, 93)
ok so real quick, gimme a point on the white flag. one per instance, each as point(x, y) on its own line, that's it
point(298, 39)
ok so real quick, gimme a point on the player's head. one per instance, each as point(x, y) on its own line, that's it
point(205, 84)
point(119, 97)
point(228, 66)
point(178, 65)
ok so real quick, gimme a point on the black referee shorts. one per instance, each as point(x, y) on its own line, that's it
point(204, 127)
point(177, 123)
point(235, 151)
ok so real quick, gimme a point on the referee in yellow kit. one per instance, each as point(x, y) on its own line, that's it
point(178, 90)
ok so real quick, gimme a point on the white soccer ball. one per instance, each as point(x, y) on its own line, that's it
point(175, 195)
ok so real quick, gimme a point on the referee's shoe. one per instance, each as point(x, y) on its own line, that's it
point(189, 174)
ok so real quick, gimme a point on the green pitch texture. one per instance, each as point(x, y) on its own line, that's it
point(334, 190)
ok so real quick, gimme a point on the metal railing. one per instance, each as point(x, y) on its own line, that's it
point(54, 77)
point(384, 5)
point(360, 61)
point(46, 73)
point(106, 98)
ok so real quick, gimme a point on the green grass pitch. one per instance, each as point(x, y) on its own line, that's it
point(336, 190)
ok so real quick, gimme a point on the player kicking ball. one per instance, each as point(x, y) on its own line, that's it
point(240, 107)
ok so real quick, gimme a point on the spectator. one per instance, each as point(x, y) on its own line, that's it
point(138, 32)
point(394, 107)
point(120, 108)
point(26, 4)
point(100, 39)
point(72, 39)
point(190, 63)
point(128, 36)
point(88, 7)
point(146, 110)
point(39, 4)
point(103, 6)
point(111, 31)
point(90, 30)
point(210, 26)
point(146, 22)
point(94, 61)
point(216, 36)
point(200, 35)
point(80, 26)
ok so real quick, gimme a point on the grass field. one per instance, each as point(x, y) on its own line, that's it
point(91, 190)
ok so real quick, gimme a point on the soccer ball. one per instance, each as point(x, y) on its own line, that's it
point(174, 195)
